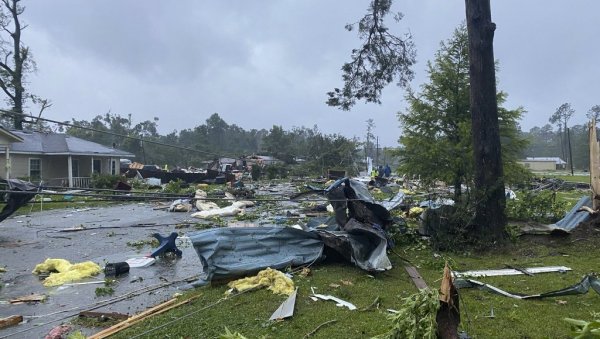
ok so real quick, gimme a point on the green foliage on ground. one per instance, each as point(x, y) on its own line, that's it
point(105, 181)
point(542, 206)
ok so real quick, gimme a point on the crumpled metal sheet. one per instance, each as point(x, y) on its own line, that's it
point(361, 244)
point(24, 192)
point(588, 281)
point(394, 202)
point(350, 198)
point(574, 218)
point(230, 252)
point(564, 226)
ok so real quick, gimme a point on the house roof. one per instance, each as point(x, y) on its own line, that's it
point(556, 160)
point(11, 136)
point(62, 144)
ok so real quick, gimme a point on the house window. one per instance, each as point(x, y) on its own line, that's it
point(75, 167)
point(97, 166)
point(35, 169)
point(113, 167)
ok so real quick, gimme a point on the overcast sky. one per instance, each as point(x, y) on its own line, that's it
point(270, 62)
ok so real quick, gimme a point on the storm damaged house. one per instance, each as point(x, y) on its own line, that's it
point(56, 159)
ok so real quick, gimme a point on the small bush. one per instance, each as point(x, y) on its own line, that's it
point(104, 181)
point(535, 206)
point(176, 186)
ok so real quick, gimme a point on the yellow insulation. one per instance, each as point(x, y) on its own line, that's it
point(273, 280)
point(62, 271)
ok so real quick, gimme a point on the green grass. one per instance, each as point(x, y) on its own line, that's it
point(248, 313)
point(568, 177)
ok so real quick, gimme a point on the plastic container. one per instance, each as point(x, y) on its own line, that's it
point(115, 269)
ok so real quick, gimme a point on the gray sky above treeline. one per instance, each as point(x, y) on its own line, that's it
point(270, 62)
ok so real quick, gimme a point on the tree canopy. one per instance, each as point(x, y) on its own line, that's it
point(436, 143)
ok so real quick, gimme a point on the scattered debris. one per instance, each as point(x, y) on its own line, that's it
point(10, 321)
point(103, 316)
point(166, 245)
point(32, 298)
point(140, 262)
point(59, 332)
point(511, 271)
point(116, 269)
point(62, 271)
point(580, 288)
point(286, 309)
point(167, 305)
point(338, 302)
point(274, 280)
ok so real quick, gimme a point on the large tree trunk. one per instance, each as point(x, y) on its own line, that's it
point(489, 196)
point(19, 58)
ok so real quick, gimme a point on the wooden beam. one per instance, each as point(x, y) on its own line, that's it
point(161, 308)
point(10, 321)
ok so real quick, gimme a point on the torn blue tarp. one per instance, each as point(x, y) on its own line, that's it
point(231, 252)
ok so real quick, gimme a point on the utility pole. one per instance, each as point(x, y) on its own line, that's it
point(570, 150)
point(377, 151)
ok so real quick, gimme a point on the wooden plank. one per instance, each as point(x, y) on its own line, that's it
point(111, 315)
point(161, 308)
point(10, 321)
point(415, 276)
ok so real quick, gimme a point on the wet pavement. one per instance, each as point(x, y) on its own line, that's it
point(28, 240)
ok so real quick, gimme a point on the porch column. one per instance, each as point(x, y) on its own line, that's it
point(8, 164)
point(70, 170)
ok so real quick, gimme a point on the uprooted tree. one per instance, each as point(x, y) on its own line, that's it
point(15, 61)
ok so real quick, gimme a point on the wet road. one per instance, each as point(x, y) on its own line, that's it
point(28, 240)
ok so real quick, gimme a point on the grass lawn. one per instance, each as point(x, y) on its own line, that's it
point(568, 177)
point(248, 313)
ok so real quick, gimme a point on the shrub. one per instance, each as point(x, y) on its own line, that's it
point(535, 206)
point(104, 181)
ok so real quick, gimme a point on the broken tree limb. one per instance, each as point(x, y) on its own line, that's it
point(587, 209)
point(319, 327)
point(10, 321)
point(161, 308)
point(448, 315)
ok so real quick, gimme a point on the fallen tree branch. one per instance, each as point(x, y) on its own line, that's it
point(319, 327)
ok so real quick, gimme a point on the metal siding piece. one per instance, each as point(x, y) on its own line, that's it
point(510, 271)
point(286, 309)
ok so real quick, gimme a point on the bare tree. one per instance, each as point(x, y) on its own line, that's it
point(15, 59)
point(490, 203)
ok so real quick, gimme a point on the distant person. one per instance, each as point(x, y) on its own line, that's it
point(387, 171)
point(380, 171)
